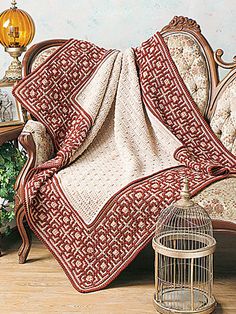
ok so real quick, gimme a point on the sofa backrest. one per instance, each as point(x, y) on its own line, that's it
point(198, 66)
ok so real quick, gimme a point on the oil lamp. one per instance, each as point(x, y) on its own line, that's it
point(17, 30)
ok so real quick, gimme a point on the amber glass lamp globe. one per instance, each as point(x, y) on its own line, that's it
point(17, 30)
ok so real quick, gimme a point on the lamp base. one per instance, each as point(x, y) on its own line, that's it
point(14, 72)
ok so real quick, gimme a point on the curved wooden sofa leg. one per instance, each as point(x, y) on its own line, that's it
point(27, 142)
point(25, 236)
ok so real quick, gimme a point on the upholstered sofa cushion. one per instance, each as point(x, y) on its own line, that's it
point(43, 142)
point(219, 199)
point(223, 122)
point(42, 56)
point(191, 65)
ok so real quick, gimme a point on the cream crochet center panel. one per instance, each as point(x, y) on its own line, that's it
point(217, 198)
point(127, 146)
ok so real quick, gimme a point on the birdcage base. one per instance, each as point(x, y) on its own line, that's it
point(179, 301)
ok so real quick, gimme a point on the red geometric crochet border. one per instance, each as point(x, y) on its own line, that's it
point(49, 92)
point(92, 256)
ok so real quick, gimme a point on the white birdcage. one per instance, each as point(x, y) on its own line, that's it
point(184, 247)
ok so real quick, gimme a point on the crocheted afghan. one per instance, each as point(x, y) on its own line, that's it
point(126, 130)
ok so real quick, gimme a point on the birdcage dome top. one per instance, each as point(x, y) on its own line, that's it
point(184, 216)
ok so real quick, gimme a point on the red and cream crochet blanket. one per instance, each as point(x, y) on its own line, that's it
point(126, 130)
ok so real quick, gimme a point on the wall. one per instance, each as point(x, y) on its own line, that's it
point(124, 23)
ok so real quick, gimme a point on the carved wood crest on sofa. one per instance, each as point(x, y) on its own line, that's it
point(198, 66)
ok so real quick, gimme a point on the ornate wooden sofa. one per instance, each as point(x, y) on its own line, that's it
point(198, 66)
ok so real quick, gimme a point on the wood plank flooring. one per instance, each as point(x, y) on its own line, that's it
point(40, 285)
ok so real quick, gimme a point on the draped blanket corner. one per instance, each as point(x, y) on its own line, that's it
point(126, 131)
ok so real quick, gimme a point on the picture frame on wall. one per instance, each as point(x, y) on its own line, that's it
point(10, 110)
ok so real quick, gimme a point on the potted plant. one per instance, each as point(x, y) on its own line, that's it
point(11, 162)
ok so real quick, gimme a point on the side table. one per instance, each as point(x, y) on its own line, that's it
point(9, 133)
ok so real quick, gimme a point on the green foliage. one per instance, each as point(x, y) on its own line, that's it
point(11, 162)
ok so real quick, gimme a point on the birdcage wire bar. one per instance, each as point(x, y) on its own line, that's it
point(184, 247)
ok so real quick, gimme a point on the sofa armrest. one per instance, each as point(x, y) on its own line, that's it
point(39, 148)
point(27, 141)
point(44, 148)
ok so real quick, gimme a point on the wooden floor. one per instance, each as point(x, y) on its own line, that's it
point(40, 285)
